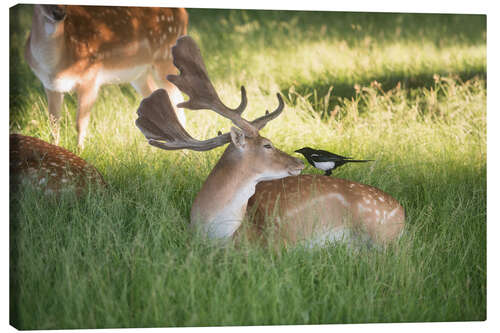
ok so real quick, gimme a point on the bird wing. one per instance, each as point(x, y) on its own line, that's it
point(324, 158)
point(332, 155)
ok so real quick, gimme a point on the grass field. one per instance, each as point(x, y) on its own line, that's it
point(406, 90)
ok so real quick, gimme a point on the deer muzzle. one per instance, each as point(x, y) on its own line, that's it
point(296, 167)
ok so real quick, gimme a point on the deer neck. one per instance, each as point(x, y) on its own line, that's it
point(220, 206)
point(46, 44)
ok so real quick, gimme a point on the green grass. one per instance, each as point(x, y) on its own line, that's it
point(355, 83)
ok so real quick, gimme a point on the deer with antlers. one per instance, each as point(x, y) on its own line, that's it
point(254, 176)
point(80, 48)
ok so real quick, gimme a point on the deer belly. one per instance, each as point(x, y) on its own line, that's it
point(121, 75)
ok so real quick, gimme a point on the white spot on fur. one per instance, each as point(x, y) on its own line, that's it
point(393, 212)
point(363, 208)
point(339, 197)
point(384, 218)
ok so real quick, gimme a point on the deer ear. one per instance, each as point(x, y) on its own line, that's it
point(238, 137)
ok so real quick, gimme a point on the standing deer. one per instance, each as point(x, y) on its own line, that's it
point(48, 167)
point(80, 48)
point(287, 207)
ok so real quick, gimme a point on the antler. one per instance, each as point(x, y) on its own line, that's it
point(158, 122)
point(157, 119)
point(193, 80)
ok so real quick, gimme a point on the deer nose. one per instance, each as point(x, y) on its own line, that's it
point(58, 13)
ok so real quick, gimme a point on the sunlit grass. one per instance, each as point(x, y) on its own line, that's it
point(361, 85)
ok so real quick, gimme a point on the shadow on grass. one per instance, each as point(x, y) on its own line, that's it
point(296, 26)
point(346, 88)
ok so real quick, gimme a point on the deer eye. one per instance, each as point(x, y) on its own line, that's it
point(268, 146)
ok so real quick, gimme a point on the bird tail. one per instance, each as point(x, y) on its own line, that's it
point(359, 160)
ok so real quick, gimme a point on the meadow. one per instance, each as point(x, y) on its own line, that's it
point(406, 90)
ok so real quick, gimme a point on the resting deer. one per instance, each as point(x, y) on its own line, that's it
point(48, 167)
point(80, 48)
point(288, 207)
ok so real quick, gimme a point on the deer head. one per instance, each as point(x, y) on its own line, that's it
point(249, 158)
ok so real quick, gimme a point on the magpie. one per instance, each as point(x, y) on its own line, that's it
point(324, 160)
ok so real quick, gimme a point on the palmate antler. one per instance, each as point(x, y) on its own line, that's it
point(158, 122)
point(157, 119)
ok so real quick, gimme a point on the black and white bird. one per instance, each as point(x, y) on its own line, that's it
point(324, 160)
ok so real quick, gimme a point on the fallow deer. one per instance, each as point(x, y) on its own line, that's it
point(50, 168)
point(80, 48)
point(287, 207)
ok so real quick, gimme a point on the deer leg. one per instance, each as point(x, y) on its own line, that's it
point(86, 98)
point(54, 101)
point(145, 84)
point(176, 97)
